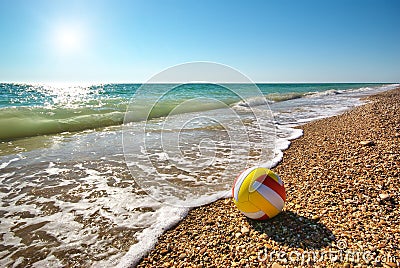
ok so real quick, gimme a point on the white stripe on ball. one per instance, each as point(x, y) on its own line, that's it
point(270, 195)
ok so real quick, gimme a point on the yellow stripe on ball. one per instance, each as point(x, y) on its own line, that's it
point(263, 204)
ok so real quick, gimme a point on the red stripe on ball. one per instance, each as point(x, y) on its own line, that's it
point(275, 186)
point(265, 217)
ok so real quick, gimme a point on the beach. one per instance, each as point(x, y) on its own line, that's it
point(342, 184)
point(78, 190)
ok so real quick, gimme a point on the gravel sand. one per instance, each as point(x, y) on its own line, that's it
point(342, 183)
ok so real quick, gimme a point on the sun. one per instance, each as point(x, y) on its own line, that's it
point(68, 39)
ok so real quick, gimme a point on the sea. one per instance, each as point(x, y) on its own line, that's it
point(92, 175)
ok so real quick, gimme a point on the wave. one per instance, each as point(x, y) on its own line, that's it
point(276, 97)
point(269, 98)
point(252, 102)
point(330, 92)
point(379, 88)
point(279, 97)
point(20, 122)
point(25, 122)
point(140, 112)
point(286, 96)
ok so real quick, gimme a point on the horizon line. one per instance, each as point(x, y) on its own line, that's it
point(194, 82)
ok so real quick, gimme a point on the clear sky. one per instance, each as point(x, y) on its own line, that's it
point(270, 41)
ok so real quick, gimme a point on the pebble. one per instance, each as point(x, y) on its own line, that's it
point(367, 143)
point(245, 230)
point(384, 196)
point(315, 217)
point(263, 236)
point(276, 265)
point(182, 256)
point(164, 251)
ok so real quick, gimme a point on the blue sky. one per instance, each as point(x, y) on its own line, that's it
point(269, 41)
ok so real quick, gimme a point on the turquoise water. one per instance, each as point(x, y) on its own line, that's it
point(91, 177)
point(114, 95)
point(29, 110)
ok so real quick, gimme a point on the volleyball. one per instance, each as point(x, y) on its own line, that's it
point(259, 193)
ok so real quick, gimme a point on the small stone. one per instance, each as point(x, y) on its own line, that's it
point(384, 196)
point(164, 251)
point(363, 209)
point(263, 236)
point(238, 235)
point(346, 265)
point(245, 230)
point(315, 217)
point(202, 251)
point(367, 143)
point(276, 265)
point(182, 256)
point(391, 264)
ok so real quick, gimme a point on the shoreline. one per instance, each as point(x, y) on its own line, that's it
point(343, 196)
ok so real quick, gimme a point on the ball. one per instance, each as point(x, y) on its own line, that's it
point(259, 193)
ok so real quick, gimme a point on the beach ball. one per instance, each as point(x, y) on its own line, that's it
point(259, 193)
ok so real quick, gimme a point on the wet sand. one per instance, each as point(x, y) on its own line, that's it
point(342, 182)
